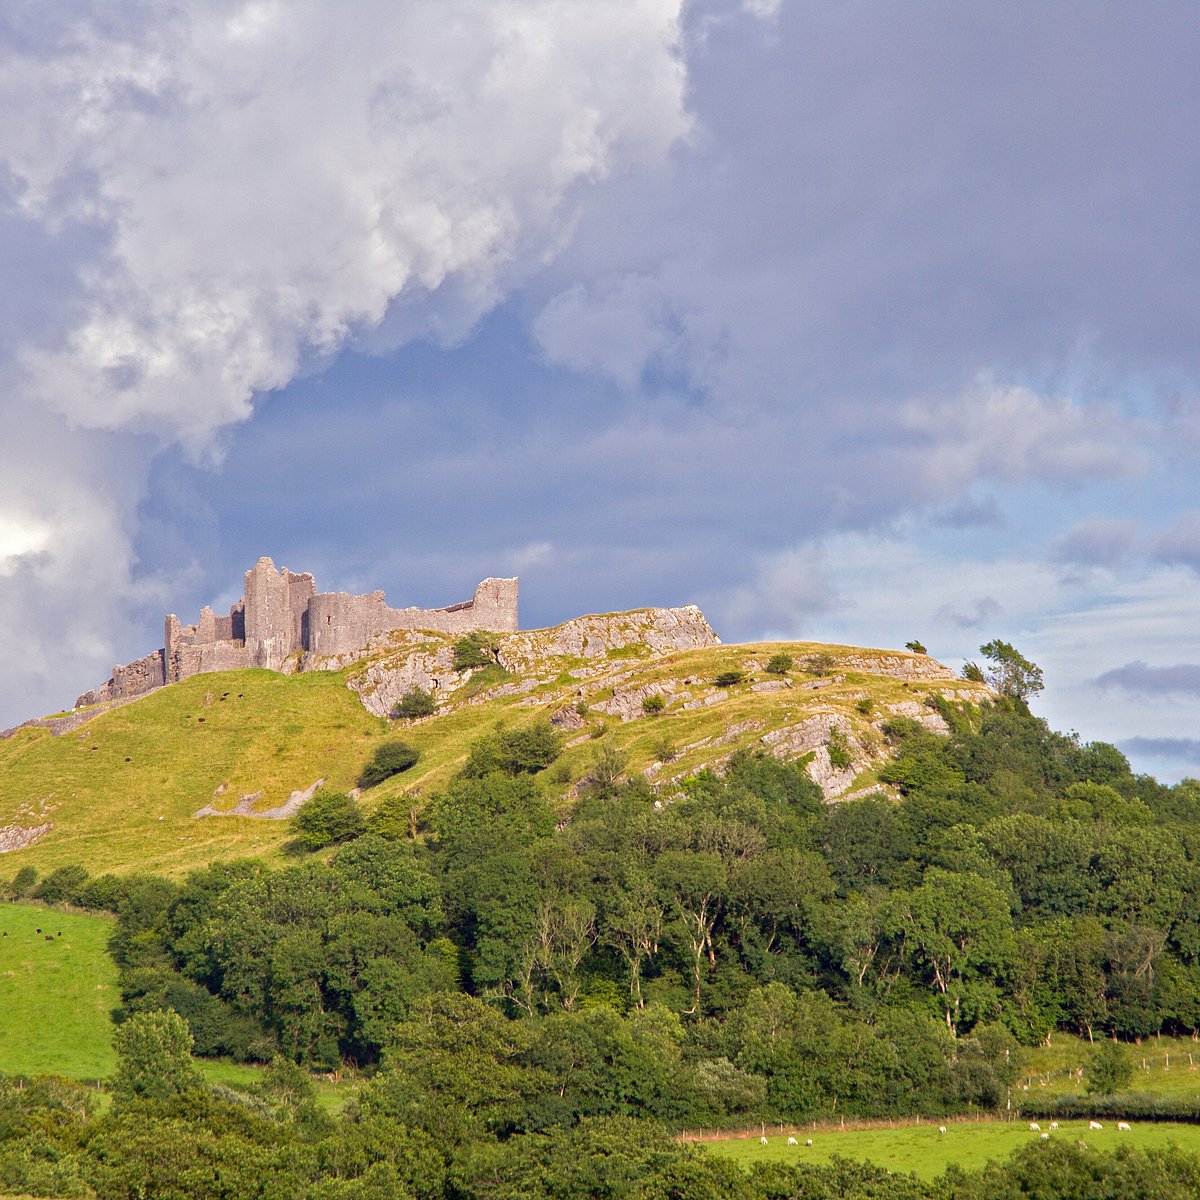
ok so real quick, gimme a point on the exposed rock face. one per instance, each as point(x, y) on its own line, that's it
point(281, 616)
point(659, 630)
point(17, 837)
point(383, 684)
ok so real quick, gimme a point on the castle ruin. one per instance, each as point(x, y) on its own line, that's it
point(281, 614)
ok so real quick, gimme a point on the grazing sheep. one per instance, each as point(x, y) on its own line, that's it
point(792, 1142)
point(1095, 1125)
point(941, 1129)
point(1053, 1126)
point(1045, 1137)
point(1034, 1127)
point(1123, 1126)
point(763, 1140)
point(809, 1142)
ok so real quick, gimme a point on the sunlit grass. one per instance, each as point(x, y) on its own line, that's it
point(921, 1150)
point(56, 996)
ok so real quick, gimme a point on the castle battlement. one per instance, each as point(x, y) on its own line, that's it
point(281, 614)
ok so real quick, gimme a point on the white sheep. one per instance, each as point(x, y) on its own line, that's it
point(941, 1129)
point(1034, 1127)
point(763, 1140)
point(809, 1142)
point(792, 1142)
point(1045, 1137)
point(1124, 1126)
point(1053, 1126)
point(1095, 1125)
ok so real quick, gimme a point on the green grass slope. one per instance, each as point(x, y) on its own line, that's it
point(122, 791)
point(55, 996)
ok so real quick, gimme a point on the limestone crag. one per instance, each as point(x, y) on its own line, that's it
point(405, 663)
point(282, 622)
point(657, 630)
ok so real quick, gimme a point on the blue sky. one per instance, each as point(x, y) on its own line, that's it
point(853, 322)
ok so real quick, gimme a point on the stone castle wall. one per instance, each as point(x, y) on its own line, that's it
point(281, 614)
point(340, 623)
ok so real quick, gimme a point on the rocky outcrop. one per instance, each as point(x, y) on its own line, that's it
point(654, 630)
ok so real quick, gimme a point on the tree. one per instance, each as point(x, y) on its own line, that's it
point(475, 649)
point(327, 818)
point(1110, 1070)
point(154, 1056)
point(780, 664)
point(389, 759)
point(416, 702)
point(1011, 673)
point(958, 932)
point(916, 647)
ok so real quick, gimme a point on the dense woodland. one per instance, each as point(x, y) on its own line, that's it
point(538, 1004)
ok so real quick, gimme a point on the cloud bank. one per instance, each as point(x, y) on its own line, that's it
point(201, 201)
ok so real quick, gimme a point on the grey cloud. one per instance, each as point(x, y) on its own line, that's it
point(970, 513)
point(970, 615)
point(1185, 750)
point(1097, 542)
point(1140, 678)
point(1180, 544)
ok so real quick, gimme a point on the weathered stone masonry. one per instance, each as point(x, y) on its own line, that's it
point(281, 614)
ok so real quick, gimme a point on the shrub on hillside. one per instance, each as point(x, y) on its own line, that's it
point(1110, 1070)
point(22, 885)
point(416, 702)
point(475, 649)
point(62, 886)
point(780, 664)
point(729, 678)
point(820, 664)
point(653, 704)
point(514, 752)
point(839, 750)
point(328, 818)
point(389, 759)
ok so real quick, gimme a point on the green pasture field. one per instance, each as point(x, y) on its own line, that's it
point(920, 1150)
point(1162, 1066)
point(56, 996)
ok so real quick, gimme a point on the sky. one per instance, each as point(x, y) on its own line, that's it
point(854, 322)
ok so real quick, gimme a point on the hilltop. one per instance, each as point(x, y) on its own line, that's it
point(203, 768)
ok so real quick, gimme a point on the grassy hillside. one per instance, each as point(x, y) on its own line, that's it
point(122, 791)
point(1162, 1066)
point(56, 995)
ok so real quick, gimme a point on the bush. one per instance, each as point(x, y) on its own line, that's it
point(780, 664)
point(820, 664)
point(389, 759)
point(416, 702)
point(864, 704)
point(1110, 1070)
point(916, 647)
point(514, 752)
point(607, 770)
point(729, 678)
point(328, 818)
point(63, 886)
point(23, 884)
point(653, 704)
point(475, 649)
point(839, 750)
